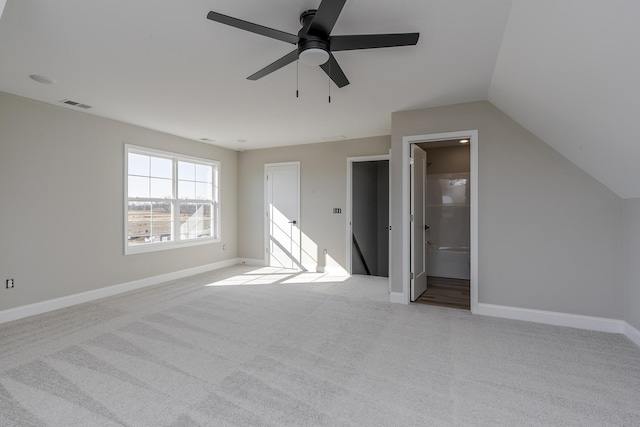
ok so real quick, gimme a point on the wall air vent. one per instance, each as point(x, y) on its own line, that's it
point(75, 104)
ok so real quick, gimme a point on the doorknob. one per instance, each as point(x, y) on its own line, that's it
point(293, 222)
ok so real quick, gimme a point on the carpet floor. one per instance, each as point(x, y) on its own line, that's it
point(247, 346)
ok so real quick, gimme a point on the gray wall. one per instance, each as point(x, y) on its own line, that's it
point(631, 293)
point(323, 182)
point(549, 234)
point(453, 159)
point(62, 201)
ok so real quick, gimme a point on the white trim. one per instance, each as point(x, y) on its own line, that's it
point(249, 261)
point(349, 205)
point(82, 297)
point(266, 208)
point(591, 323)
point(632, 333)
point(472, 135)
point(396, 297)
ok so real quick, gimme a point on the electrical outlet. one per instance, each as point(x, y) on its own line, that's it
point(9, 283)
point(224, 247)
point(324, 251)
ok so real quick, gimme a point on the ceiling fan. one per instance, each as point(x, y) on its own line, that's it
point(315, 42)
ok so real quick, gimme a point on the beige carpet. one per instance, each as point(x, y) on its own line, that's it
point(245, 346)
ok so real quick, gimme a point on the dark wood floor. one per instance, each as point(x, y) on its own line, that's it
point(445, 292)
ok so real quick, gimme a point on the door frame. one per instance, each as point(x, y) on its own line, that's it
point(266, 207)
point(349, 205)
point(472, 135)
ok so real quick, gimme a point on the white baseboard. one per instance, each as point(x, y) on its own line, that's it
point(68, 301)
point(397, 297)
point(632, 333)
point(254, 262)
point(600, 324)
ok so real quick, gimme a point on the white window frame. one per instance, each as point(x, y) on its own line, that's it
point(175, 201)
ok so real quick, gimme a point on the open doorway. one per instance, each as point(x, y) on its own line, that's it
point(409, 241)
point(447, 233)
point(368, 215)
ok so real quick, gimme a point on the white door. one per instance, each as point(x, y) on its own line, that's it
point(418, 167)
point(283, 215)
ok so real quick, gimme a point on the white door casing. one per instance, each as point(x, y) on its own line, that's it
point(282, 212)
point(418, 233)
point(349, 205)
point(404, 297)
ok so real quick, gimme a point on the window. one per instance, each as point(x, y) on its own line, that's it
point(171, 200)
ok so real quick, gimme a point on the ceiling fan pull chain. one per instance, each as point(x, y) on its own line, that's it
point(329, 81)
point(297, 78)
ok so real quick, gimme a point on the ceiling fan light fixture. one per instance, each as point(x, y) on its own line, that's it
point(314, 56)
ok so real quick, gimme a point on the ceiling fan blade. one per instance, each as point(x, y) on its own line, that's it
point(333, 70)
point(326, 17)
point(254, 28)
point(285, 60)
point(372, 41)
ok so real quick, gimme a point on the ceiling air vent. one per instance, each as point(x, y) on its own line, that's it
point(75, 104)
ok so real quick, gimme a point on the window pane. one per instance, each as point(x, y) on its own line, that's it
point(206, 220)
point(139, 223)
point(138, 186)
point(186, 171)
point(204, 173)
point(161, 231)
point(161, 221)
point(138, 164)
point(191, 220)
point(161, 168)
point(203, 191)
point(162, 211)
point(188, 220)
point(161, 188)
point(186, 190)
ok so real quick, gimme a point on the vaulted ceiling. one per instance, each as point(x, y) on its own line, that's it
point(566, 70)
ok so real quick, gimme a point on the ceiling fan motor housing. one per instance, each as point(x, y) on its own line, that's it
point(312, 50)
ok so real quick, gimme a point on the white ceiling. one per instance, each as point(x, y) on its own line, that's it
point(565, 69)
